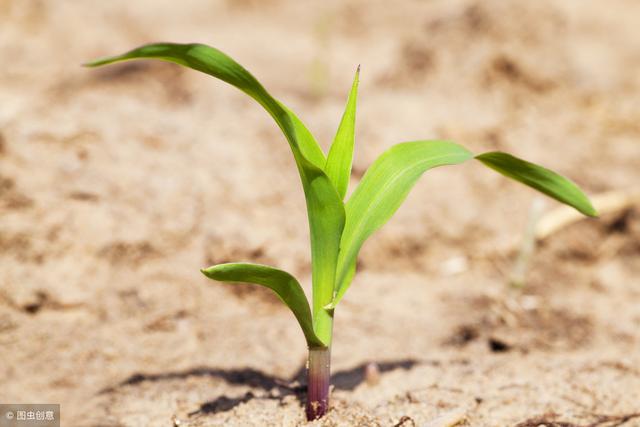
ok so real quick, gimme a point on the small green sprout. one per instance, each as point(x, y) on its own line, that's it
point(338, 229)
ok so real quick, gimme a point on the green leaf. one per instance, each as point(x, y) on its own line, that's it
point(544, 180)
point(282, 283)
point(212, 61)
point(340, 157)
point(382, 190)
point(324, 204)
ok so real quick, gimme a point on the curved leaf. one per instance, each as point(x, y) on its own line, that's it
point(382, 190)
point(324, 205)
point(282, 283)
point(338, 167)
point(542, 179)
point(212, 61)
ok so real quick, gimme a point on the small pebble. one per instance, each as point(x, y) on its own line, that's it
point(372, 373)
point(530, 302)
point(454, 265)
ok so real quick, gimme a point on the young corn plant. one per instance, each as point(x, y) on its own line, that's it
point(338, 229)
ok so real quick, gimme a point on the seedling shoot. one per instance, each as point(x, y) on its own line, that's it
point(339, 228)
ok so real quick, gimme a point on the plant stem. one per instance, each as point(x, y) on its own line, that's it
point(318, 378)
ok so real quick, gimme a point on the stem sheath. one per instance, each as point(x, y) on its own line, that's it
point(318, 378)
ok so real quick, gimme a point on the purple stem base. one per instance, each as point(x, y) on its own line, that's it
point(318, 378)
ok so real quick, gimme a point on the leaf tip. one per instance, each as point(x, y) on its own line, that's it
point(97, 62)
point(590, 211)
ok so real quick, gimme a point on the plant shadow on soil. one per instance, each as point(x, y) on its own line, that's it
point(277, 388)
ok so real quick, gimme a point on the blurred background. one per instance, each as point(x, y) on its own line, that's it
point(118, 184)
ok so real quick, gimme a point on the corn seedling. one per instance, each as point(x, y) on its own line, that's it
point(338, 229)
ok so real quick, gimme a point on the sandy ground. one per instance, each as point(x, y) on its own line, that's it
point(117, 185)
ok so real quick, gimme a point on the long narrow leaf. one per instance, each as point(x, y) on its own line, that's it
point(382, 190)
point(340, 156)
point(324, 205)
point(282, 283)
point(212, 61)
point(544, 180)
